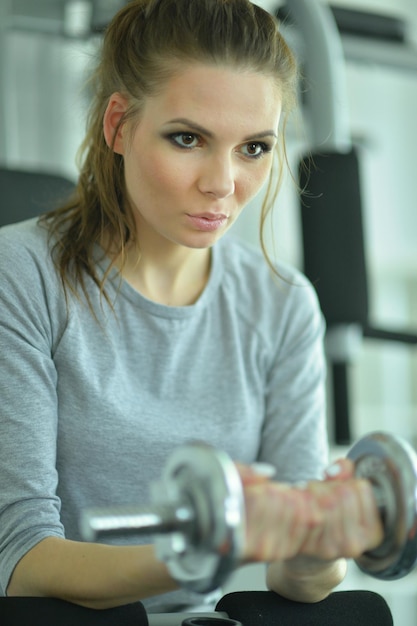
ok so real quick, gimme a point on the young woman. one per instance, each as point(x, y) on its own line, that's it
point(131, 322)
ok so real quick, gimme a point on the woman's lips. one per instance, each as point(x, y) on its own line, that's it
point(208, 222)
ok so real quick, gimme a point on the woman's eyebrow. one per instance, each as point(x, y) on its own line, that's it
point(200, 129)
point(261, 135)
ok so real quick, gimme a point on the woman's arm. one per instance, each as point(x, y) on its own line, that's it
point(305, 532)
point(99, 577)
point(92, 575)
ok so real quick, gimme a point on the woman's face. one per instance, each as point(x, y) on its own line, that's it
point(201, 150)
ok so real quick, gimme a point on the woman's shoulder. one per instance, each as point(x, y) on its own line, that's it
point(29, 235)
point(25, 251)
point(246, 265)
point(264, 296)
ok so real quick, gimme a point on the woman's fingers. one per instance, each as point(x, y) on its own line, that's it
point(326, 519)
point(341, 469)
point(278, 519)
point(255, 473)
point(351, 524)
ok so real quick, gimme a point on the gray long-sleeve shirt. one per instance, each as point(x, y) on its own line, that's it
point(90, 409)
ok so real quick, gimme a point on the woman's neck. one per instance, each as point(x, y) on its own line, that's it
point(174, 277)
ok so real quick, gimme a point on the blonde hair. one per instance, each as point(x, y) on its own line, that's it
point(144, 45)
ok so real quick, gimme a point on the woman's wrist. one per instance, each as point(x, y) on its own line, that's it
point(305, 578)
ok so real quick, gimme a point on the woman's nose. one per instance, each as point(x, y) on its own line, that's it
point(217, 177)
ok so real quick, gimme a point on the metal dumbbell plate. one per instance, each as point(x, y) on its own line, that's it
point(390, 464)
point(197, 516)
point(207, 482)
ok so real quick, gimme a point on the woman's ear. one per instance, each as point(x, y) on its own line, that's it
point(112, 129)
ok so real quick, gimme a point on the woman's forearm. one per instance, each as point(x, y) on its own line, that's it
point(92, 575)
point(305, 579)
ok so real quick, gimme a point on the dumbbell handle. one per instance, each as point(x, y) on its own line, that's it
point(116, 521)
point(380, 500)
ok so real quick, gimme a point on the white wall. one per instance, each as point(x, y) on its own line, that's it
point(44, 106)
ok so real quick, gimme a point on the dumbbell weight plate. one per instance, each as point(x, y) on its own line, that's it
point(206, 478)
point(390, 464)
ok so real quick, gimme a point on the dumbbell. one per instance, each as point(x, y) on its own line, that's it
point(198, 517)
point(390, 464)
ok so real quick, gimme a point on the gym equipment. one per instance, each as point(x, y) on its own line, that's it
point(390, 464)
point(251, 608)
point(334, 252)
point(331, 206)
point(344, 608)
point(198, 511)
point(215, 620)
point(25, 611)
point(27, 194)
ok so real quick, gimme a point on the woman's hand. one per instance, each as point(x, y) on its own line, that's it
point(328, 519)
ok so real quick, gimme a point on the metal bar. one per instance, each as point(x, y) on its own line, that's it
point(117, 521)
point(341, 404)
point(325, 87)
point(386, 54)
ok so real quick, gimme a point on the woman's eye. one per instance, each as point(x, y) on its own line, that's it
point(255, 149)
point(185, 140)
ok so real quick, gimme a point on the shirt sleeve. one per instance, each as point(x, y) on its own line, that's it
point(29, 507)
point(296, 391)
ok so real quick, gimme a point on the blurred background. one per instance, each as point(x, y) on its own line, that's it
point(46, 50)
